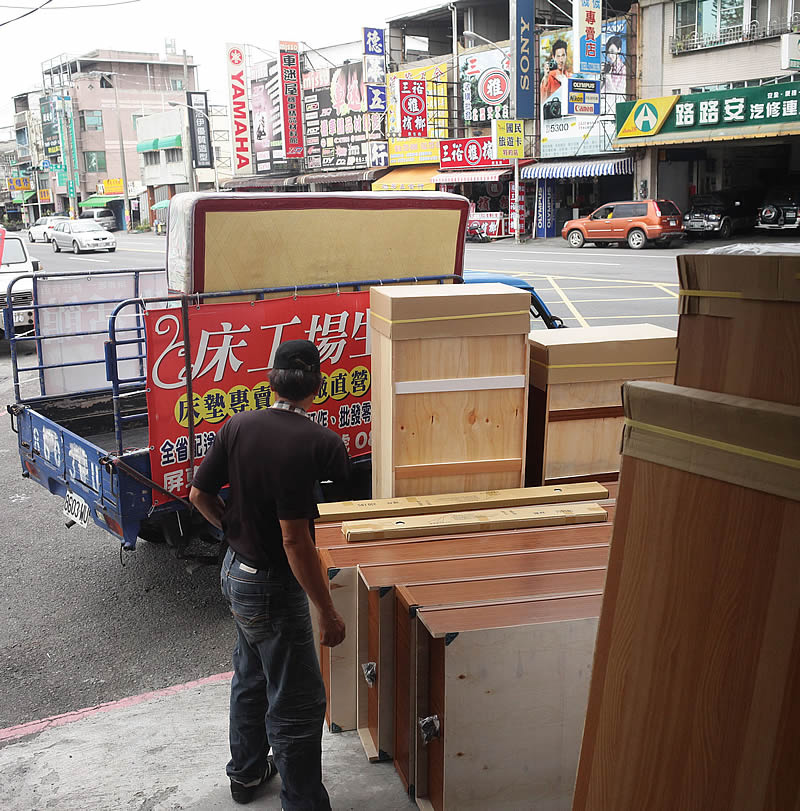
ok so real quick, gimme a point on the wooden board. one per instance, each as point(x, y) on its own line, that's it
point(510, 727)
point(452, 523)
point(694, 697)
point(449, 502)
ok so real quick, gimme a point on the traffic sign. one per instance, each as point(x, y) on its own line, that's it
point(46, 165)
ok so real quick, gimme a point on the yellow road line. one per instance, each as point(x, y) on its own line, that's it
point(581, 320)
point(664, 288)
point(600, 300)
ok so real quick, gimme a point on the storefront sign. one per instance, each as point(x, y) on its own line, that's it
point(291, 100)
point(113, 185)
point(507, 139)
point(469, 153)
point(491, 222)
point(376, 98)
point(374, 41)
point(19, 183)
point(566, 132)
point(404, 151)
point(790, 52)
point(199, 130)
point(586, 23)
point(45, 198)
point(522, 67)
point(51, 132)
point(520, 204)
point(583, 97)
point(240, 110)
point(545, 208)
point(233, 347)
point(412, 110)
point(485, 85)
point(378, 153)
point(265, 101)
point(721, 113)
point(338, 126)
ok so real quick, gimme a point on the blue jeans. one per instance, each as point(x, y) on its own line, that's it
point(277, 693)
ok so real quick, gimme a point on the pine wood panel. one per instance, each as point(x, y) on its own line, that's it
point(383, 417)
point(560, 560)
point(693, 703)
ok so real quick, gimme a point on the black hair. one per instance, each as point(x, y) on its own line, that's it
point(615, 40)
point(558, 45)
point(294, 385)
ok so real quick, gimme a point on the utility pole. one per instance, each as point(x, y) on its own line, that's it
point(187, 149)
point(127, 217)
point(72, 190)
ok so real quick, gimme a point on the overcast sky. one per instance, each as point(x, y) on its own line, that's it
point(200, 26)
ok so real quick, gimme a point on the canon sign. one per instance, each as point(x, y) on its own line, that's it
point(240, 110)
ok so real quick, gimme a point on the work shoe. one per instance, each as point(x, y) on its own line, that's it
point(244, 794)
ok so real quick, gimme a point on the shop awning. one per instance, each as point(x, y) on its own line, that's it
point(358, 176)
point(151, 145)
point(408, 178)
point(257, 182)
point(26, 195)
point(99, 200)
point(621, 165)
point(147, 146)
point(473, 176)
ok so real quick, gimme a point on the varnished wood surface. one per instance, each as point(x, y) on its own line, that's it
point(442, 620)
point(448, 548)
point(560, 560)
point(694, 696)
point(504, 588)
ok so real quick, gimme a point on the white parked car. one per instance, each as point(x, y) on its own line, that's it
point(82, 235)
point(40, 231)
point(15, 262)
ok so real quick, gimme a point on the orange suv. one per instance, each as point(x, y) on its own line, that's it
point(636, 222)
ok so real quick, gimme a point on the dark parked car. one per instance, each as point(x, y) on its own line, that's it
point(779, 209)
point(722, 213)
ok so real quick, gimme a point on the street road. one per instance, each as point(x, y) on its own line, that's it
point(78, 628)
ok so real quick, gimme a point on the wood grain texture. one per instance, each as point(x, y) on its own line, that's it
point(693, 703)
point(403, 678)
point(483, 566)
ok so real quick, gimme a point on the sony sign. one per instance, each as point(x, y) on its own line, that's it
point(523, 100)
point(240, 110)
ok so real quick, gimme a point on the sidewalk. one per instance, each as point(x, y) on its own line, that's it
point(163, 751)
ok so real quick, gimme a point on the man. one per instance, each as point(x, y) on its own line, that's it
point(273, 460)
point(558, 72)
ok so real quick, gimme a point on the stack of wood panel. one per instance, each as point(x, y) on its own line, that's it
point(575, 403)
point(474, 616)
point(695, 693)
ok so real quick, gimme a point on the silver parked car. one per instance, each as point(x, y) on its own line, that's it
point(82, 235)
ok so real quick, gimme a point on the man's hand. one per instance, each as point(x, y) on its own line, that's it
point(332, 630)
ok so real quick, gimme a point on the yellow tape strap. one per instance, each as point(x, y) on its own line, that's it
point(373, 314)
point(712, 293)
point(751, 453)
point(600, 365)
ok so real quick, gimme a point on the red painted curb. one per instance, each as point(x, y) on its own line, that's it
point(31, 727)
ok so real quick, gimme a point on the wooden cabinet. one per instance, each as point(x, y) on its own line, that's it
point(575, 405)
point(449, 387)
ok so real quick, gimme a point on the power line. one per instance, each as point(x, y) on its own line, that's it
point(27, 13)
point(68, 8)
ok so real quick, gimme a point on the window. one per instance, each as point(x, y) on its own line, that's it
point(174, 155)
point(667, 208)
point(176, 84)
point(91, 120)
point(603, 213)
point(14, 252)
point(630, 210)
point(94, 161)
point(152, 158)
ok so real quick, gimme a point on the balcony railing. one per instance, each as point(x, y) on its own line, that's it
point(734, 34)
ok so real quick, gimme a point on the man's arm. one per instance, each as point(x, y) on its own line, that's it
point(210, 507)
point(302, 556)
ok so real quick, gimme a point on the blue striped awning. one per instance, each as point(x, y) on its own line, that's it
point(622, 165)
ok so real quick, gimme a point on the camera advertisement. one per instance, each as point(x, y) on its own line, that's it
point(578, 110)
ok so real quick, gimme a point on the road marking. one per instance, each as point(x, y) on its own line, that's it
point(32, 727)
point(87, 259)
point(577, 262)
point(623, 317)
point(603, 300)
point(572, 253)
point(581, 320)
point(664, 288)
point(138, 250)
point(523, 275)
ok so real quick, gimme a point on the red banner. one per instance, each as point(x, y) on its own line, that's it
point(413, 108)
point(468, 153)
point(291, 100)
point(233, 347)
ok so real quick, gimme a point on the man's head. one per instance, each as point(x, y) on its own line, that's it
point(295, 374)
point(559, 52)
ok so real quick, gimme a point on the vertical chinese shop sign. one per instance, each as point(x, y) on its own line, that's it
point(291, 100)
point(232, 350)
point(412, 99)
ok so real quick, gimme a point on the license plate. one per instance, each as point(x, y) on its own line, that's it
point(76, 509)
point(21, 317)
point(673, 222)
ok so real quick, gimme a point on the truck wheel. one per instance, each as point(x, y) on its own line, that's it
point(575, 238)
point(636, 239)
point(725, 230)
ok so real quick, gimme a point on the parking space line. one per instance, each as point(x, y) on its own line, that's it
point(664, 288)
point(574, 310)
point(604, 300)
point(88, 259)
point(623, 282)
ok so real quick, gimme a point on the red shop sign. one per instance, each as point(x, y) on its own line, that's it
point(468, 153)
point(413, 101)
point(233, 346)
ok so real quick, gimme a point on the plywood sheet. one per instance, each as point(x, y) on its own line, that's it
point(451, 523)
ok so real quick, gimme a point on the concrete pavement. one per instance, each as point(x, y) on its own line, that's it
point(163, 751)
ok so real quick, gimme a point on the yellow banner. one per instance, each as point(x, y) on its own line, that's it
point(647, 117)
point(404, 151)
point(507, 138)
point(44, 196)
point(113, 185)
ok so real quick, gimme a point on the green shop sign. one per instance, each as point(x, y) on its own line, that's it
point(717, 115)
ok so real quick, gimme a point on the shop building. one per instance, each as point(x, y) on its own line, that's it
point(731, 120)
